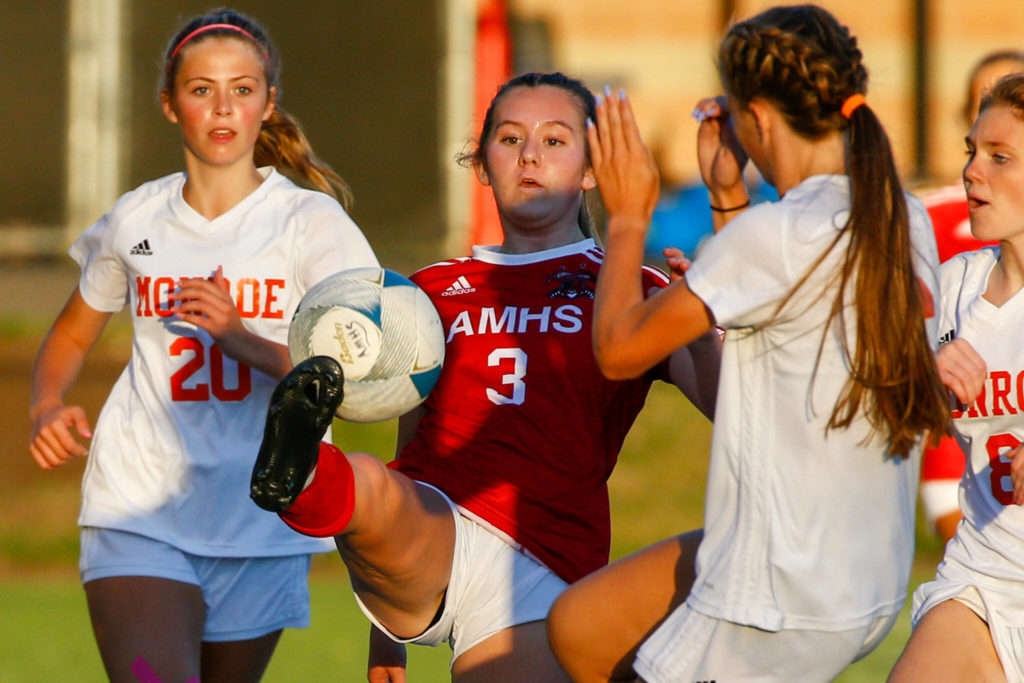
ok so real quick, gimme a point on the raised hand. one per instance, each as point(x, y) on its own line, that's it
point(719, 154)
point(623, 166)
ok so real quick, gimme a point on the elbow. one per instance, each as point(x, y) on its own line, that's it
point(615, 365)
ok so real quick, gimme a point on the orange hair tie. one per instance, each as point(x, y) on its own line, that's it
point(851, 104)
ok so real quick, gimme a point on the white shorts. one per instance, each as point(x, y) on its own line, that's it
point(997, 607)
point(245, 597)
point(690, 646)
point(939, 497)
point(493, 586)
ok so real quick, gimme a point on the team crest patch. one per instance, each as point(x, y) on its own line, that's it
point(572, 284)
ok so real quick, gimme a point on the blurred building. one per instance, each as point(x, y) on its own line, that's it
point(386, 90)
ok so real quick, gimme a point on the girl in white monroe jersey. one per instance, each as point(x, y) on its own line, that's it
point(968, 621)
point(184, 576)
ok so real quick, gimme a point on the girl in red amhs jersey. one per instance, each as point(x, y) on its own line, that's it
point(185, 578)
point(967, 621)
point(497, 499)
point(808, 531)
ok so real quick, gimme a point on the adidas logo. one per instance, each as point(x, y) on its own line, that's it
point(946, 338)
point(460, 286)
point(142, 248)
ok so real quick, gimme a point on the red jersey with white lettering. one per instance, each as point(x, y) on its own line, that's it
point(994, 424)
point(177, 437)
point(522, 430)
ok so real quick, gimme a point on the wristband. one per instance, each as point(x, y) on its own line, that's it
point(731, 208)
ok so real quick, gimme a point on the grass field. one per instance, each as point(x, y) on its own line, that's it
point(657, 491)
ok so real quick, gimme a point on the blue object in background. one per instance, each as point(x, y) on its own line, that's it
point(682, 218)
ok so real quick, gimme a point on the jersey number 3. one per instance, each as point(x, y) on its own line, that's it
point(512, 382)
point(998, 447)
point(200, 391)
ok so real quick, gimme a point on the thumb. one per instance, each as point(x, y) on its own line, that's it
point(81, 424)
point(219, 279)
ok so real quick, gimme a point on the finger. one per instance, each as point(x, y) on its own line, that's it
point(615, 132)
point(596, 157)
point(219, 280)
point(630, 128)
point(602, 127)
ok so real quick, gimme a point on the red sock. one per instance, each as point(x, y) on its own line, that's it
point(324, 508)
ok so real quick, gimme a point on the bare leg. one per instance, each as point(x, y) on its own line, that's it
point(516, 655)
point(597, 625)
point(147, 624)
point(241, 661)
point(396, 536)
point(398, 546)
point(951, 643)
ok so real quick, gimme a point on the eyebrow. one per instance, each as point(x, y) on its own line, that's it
point(213, 80)
point(556, 122)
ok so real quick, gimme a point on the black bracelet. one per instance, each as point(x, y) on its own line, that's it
point(733, 208)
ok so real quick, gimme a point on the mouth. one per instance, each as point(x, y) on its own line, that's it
point(529, 182)
point(222, 134)
point(973, 203)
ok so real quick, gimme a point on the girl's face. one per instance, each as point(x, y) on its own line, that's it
point(220, 99)
point(535, 158)
point(994, 174)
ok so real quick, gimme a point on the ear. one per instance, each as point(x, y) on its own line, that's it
point(165, 104)
point(761, 112)
point(271, 103)
point(589, 181)
point(481, 174)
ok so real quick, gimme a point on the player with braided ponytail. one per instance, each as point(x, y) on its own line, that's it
point(824, 393)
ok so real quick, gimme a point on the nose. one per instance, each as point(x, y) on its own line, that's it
point(529, 154)
point(222, 104)
point(972, 170)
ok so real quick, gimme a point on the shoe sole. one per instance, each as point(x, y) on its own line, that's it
point(301, 409)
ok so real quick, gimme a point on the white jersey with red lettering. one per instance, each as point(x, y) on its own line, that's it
point(176, 440)
point(990, 540)
point(805, 528)
point(522, 430)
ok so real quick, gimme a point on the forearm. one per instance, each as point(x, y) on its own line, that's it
point(618, 297)
point(257, 352)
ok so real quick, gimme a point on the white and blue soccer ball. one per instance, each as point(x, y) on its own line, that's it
point(384, 331)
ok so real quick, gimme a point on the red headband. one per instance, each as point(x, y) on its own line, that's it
point(210, 27)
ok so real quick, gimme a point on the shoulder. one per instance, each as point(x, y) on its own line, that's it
point(159, 190)
point(309, 202)
point(440, 270)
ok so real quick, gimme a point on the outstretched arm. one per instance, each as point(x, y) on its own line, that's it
point(386, 661)
point(57, 366)
point(632, 334)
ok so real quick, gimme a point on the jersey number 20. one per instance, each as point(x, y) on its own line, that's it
point(201, 391)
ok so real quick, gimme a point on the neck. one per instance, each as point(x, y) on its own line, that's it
point(215, 190)
point(795, 158)
point(526, 242)
point(1007, 278)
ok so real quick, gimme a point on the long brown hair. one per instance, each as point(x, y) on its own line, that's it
point(281, 142)
point(805, 63)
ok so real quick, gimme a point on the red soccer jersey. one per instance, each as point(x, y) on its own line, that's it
point(522, 429)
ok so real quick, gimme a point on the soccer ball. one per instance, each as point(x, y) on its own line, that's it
point(384, 331)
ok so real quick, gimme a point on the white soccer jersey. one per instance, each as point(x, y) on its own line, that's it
point(803, 530)
point(990, 543)
point(175, 443)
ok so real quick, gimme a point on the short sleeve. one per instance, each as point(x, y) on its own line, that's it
point(743, 267)
point(330, 242)
point(104, 281)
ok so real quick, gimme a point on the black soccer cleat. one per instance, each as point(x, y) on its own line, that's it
point(301, 409)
